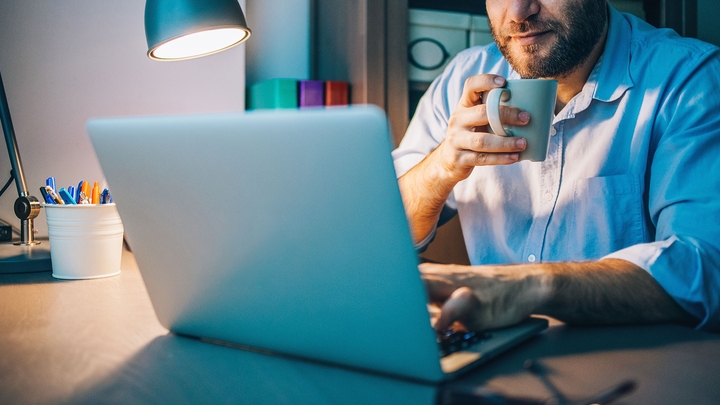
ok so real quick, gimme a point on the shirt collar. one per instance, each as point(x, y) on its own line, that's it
point(611, 75)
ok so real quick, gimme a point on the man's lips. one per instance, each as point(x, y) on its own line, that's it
point(529, 38)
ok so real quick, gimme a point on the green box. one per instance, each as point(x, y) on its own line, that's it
point(273, 93)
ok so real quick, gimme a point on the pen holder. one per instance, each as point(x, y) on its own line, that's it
point(85, 240)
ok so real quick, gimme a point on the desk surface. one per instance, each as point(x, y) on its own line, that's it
point(98, 341)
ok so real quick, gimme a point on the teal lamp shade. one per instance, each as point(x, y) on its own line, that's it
point(185, 29)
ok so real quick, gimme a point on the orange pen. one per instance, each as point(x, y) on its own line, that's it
point(95, 194)
point(86, 189)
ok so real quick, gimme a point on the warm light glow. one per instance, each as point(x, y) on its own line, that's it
point(199, 44)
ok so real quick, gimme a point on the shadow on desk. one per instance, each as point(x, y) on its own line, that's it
point(178, 370)
point(41, 277)
point(671, 364)
point(581, 362)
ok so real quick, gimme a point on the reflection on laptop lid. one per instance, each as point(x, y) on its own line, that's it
point(282, 231)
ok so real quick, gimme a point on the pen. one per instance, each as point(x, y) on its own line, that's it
point(54, 195)
point(83, 198)
point(65, 195)
point(46, 196)
point(86, 188)
point(83, 194)
point(50, 182)
point(95, 193)
point(79, 189)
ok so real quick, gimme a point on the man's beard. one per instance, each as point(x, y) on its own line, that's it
point(575, 42)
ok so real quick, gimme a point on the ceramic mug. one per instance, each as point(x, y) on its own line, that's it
point(537, 97)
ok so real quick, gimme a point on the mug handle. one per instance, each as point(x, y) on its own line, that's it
point(492, 106)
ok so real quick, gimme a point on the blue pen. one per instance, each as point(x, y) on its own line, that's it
point(79, 189)
point(71, 191)
point(66, 196)
point(51, 182)
point(104, 196)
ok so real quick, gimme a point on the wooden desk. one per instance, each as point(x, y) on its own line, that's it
point(98, 341)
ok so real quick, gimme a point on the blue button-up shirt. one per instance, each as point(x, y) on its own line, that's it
point(632, 172)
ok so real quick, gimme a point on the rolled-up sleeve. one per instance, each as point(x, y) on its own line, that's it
point(684, 195)
point(427, 127)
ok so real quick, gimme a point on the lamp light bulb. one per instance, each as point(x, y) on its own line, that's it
point(199, 44)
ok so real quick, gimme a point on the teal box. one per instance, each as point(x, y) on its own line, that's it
point(273, 93)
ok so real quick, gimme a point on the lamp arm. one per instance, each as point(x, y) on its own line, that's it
point(26, 206)
point(11, 143)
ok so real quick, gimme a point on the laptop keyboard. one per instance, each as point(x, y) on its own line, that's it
point(452, 340)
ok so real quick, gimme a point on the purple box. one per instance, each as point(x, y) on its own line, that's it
point(310, 93)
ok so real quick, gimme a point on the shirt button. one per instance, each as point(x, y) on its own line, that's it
point(531, 258)
point(548, 196)
point(553, 132)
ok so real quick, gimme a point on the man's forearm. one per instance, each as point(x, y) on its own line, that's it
point(467, 144)
point(589, 293)
point(424, 191)
point(606, 292)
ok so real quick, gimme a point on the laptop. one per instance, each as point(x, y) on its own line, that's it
point(281, 231)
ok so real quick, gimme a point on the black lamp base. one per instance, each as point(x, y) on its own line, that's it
point(25, 259)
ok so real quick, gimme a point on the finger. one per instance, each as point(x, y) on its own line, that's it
point(487, 143)
point(469, 158)
point(433, 268)
point(480, 149)
point(434, 311)
point(459, 307)
point(476, 85)
point(476, 116)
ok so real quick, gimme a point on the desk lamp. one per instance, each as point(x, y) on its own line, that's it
point(175, 30)
point(25, 255)
point(186, 29)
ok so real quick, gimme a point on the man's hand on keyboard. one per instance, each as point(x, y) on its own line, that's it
point(482, 297)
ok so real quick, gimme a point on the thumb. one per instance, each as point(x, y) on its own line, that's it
point(459, 307)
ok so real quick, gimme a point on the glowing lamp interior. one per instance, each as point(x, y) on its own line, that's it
point(199, 44)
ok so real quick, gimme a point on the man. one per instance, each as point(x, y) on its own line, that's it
point(621, 223)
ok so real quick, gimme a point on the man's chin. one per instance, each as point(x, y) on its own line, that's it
point(527, 59)
point(525, 67)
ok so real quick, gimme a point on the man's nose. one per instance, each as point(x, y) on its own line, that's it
point(521, 10)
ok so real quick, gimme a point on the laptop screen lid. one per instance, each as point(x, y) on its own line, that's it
point(282, 231)
point(279, 230)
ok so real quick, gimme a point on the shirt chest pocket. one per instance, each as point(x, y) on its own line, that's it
point(607, 215)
